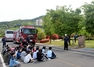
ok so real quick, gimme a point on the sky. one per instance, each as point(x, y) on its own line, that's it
point(28, 9)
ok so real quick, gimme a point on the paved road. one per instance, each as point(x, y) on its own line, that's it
point(70, 58)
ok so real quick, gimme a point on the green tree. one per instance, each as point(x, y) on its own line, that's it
point(63, 20)
point(89, 16)
point(47, 25)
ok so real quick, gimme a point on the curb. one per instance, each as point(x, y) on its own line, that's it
point(91, 51)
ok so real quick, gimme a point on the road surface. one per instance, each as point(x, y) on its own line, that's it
point(64, 59)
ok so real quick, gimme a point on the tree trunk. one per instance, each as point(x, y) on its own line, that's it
point(50, 37)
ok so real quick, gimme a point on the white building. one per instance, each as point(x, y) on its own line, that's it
point(39, 22)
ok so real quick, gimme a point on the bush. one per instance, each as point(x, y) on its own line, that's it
point(41, 35)
point(60, 37)
point(44, 40)
point(47, 37)
point(55, 36)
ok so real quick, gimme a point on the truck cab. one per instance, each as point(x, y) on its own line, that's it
point(23, 32)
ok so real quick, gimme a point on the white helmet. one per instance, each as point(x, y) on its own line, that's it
point(65, 34)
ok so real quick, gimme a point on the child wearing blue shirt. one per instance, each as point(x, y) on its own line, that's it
point(13, 61)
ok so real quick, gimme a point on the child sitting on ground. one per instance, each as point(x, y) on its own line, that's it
point(40, 55)
point(28, 58)
point(13, 62)
point(51, 54)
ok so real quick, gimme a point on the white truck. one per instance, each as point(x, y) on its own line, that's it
point(9, 35)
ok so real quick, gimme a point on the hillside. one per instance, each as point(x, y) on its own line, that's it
point(16, 23)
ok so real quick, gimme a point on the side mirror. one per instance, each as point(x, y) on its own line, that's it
point(21, 30)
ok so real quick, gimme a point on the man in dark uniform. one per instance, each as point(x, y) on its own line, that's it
point(4, 41)
point(28, 39)
point(66, 40)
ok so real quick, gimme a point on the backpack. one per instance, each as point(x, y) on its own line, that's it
point(53, 55)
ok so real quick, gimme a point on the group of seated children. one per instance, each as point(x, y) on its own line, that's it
point(27, 54)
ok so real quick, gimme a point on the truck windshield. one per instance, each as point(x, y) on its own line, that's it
point(29, 31)
point(9, 32)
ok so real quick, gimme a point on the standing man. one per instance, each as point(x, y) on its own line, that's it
point(66, 40)
point(4, 41)
point(28, 40)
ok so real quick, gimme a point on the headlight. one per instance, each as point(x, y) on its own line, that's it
point(30, 40)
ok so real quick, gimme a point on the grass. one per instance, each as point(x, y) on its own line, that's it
point(88, 43)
